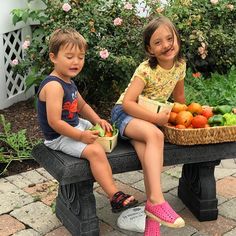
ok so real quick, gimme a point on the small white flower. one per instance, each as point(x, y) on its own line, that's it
point(26, 44)
point(230, 7)
point(214, 1)
point(66, 7)
point(15, 62)
point(104, 54)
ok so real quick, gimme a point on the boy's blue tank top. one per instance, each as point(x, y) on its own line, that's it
point(69, 107)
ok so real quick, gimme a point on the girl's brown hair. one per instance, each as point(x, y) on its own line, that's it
point(66, 37)
point(148, 32)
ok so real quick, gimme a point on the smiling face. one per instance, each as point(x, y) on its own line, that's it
point(68, 62)
point(164, 46)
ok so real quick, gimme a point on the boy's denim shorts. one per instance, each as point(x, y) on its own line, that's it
point(120, 119)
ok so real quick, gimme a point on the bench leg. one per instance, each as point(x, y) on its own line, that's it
point(76, 208)
point(197, 190)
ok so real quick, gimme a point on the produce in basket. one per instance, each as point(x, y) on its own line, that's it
point(195, 115)
point(103, 133)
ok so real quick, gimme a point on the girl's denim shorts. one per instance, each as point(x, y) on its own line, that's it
point(120, 119)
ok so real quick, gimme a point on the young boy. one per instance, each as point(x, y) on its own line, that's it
point(59, 103)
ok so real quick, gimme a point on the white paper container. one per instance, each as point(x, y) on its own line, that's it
point(154, 106)
point(108, 143)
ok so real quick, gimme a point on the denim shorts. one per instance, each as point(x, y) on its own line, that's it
point(120, 119)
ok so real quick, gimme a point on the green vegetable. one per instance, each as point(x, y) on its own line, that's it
point(216, 120)
point(100, 129)
point(230, 119)
point(223, 109)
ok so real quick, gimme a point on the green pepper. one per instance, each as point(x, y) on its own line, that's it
point(216, 120)
point(222, 109)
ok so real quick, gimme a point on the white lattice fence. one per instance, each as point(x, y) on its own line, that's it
point(12, 87)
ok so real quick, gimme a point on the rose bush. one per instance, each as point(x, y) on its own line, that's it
point(113, 30)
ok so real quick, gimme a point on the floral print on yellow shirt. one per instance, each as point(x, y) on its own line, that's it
point(159, 83)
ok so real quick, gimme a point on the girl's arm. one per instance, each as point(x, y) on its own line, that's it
point(87, 112)
point(131, 106)
point(178, 92)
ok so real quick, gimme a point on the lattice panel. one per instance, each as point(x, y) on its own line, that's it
point(12, 44)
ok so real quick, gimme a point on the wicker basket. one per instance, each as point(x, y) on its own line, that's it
point(219, 134)
point(153, 105)
point(108, 143)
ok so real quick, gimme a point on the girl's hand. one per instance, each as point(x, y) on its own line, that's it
point(89, 136)
point(162, 117)
point(105, 125)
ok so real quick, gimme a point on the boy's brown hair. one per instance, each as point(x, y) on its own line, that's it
point(66, 37)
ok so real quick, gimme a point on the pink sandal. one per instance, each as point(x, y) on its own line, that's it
point(164, 214)
point(152, 227)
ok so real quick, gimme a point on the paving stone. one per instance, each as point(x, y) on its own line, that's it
point(226, 187)
point(44, 173)
point(27, 232)
point(228, 163)
point(61, 231)
point(221, 173)
point(14, 199)
point(9, 225)
point(114, 233)
point(215, 227)
point(46, 191)
point(19, 180)
point(104, 228)
point(38, 216)
point(6, 186)
point(129, 177)
point(175, 202)
point(34, 176)
point(231, 232)
point(186, 231)
point(101, 200)
point(175, 171)
point(227, 209)
point(221, 199)
point(168, 182)
point(174, 191)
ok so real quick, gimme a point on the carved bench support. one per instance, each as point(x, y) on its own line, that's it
point(76, 208)
point(197, 190)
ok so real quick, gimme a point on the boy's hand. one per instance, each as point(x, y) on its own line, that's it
point(89, 136)
point(105, 125)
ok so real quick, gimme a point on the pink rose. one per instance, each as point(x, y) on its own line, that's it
point(26, 44)
point(118, 21)
point(104, 54)
point(128, 6)
point(66, 7)
point(214, 2)
point(15, 62)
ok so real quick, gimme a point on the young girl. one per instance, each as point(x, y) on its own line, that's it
point(59, 102)
point(157, 78)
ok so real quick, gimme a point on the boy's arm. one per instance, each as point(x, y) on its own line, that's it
point(87, 112)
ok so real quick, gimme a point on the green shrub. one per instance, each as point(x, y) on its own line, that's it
point(208, 33)
point(201, 24)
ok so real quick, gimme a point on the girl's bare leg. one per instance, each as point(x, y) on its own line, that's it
point(151, 156)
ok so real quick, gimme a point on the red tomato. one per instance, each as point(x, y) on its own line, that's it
point(207, 112)
point(108, 134)
point(199, 121)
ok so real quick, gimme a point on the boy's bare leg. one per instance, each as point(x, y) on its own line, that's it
point(100, 168)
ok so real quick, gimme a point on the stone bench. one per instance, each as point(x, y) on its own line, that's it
point(75, 203)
